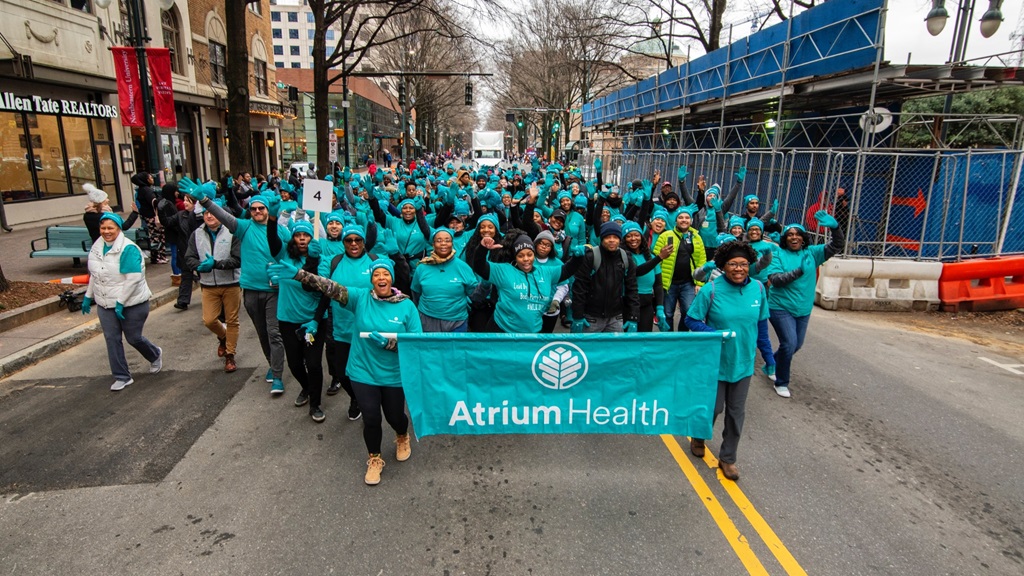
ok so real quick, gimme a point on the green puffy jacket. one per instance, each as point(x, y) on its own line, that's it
point(668, 265)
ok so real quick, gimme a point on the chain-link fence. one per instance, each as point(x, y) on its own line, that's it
point(913, 204)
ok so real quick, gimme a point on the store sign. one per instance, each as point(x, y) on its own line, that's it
point(40, 105)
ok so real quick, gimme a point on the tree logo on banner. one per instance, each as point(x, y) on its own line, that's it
point(560, 365)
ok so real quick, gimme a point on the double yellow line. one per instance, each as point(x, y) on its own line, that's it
point(739, 543)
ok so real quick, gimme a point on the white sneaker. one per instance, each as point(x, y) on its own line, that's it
point(158, 363)
point(120, 384)
point(783, 391)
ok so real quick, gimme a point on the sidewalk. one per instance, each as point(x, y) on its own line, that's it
point(51, 334)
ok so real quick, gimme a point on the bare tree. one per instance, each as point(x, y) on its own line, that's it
point(237, 72)
point(5, 285)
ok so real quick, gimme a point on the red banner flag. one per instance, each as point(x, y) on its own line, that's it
point(163, 88)
point(129, 90)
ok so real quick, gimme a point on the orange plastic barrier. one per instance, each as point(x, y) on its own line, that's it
point(983, 285)
point(80, 279)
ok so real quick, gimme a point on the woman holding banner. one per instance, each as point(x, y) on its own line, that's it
point(732, 302)
point(373, 361)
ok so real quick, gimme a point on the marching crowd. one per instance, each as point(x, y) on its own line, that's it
point(440, 248)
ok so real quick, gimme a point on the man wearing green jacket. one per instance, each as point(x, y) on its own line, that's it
point(680, 286)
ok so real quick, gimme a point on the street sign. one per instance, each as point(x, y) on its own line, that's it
point(332, 148)
point(574, 111)
point(317, 195)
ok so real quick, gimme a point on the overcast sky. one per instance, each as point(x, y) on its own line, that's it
point(906, 32)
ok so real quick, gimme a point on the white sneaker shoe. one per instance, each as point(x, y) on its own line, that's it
point(157, 364)
point(120, 384)
point(783, 391)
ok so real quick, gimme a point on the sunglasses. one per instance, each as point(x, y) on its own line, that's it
point(353, 240)
point(257, 208)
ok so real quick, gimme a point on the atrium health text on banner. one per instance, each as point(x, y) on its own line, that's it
point(561, 384)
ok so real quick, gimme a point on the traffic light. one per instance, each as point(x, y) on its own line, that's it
point(519, 123)
point(401, 94)
point(469, 94)
point(554, 128)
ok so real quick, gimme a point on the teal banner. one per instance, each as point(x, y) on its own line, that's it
point(561, 383)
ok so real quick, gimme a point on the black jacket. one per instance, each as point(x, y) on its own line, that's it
point(608, 291)
point(146, 195)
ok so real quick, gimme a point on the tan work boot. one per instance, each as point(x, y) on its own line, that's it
point(697, 447)
point(374, 466)
point(403, 447)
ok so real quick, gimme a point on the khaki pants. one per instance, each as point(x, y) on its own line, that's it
point(228, 300)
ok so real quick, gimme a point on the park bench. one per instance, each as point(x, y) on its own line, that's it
point(74, 242)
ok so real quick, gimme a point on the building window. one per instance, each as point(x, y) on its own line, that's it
point(276, 33)
point(218, 63)
point(172, 38)
point(309, 33)
point(278, 64)
point(329, 36)
point(293, 34)
point(293, 50)
point(293, 16)
point(259, 68)
point(255, 8)
point(296, 65)
point(278, 50)
point(275, 16)
point(310, 18)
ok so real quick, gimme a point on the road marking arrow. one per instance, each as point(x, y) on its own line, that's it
point(918, 204)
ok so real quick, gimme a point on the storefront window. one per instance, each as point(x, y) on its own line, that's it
point(15, 178)
point(49, 154)
point(79, 148)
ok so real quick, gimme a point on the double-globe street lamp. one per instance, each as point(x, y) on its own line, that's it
point(936, 22)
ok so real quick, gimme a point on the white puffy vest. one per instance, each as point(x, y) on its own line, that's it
point(107, 284)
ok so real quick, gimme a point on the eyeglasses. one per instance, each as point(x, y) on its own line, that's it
point(257, 208)
point(737, 265)
point(353, 240)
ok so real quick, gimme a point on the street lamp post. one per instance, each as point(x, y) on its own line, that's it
point(137, 35)
point(936, 22)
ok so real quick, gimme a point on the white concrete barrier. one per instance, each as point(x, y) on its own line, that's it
point(879, 285)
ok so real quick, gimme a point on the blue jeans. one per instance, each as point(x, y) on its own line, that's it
point(175, 269)
point(764, 343)
point(131, 328)
point(683, 294)
point(791, 331)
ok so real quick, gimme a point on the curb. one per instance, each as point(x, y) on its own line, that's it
point(31, 312)
point(50, 347)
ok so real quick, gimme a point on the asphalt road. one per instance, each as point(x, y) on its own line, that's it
point(899, 453)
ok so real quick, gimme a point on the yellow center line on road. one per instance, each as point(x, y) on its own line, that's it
point(782, 554)
point(739, 543)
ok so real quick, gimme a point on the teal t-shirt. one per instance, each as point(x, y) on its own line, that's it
point(576, 228)
point(726, 306)
point(523, 298)
point(797, 297)
point(444, 289)
point(368, 363)
point(256, 256)
point(645, 283)
point(294, 303)
point(408, 234)
point(352, 273)
point(709, 229)
point(330, 248)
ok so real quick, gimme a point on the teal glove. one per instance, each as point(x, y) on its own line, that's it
point(579, 325)
point(741, 174)
point(311, 327)
point(577, 251)
point(605, 192)
point(826, 220)
point(591, 188)
point(346, 174)
point(385, 343)
point(86, 305)
point(682, 173)
point(709, 267)
point(535, 164)
point(716, 204)
point(119, 311)
point(691, 208)
point(598, 165)
point(629, 326)
point(659, 313)
point(273, 204)
point(775, 206)
point(207, 264)
point(389, 242)
point(231, 182)
point(314, 250)
point(549, 179)
point(281, 270)
point(648, 189)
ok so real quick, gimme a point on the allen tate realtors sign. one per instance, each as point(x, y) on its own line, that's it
point(40, 105)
